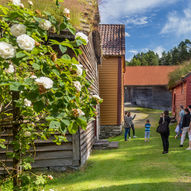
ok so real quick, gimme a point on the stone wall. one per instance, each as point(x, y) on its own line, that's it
point(110, 131)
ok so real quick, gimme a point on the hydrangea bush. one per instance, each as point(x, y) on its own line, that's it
point(52, 94)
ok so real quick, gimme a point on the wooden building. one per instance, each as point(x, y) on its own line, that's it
point(147, 86)
point(74, 153)
point(181, 94)
point(111, 79)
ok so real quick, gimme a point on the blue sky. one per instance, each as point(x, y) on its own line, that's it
point(156, 25)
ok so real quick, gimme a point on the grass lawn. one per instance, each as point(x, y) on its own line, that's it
point(135, 166)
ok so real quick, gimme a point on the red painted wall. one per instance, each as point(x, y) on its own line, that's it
point(181, 95)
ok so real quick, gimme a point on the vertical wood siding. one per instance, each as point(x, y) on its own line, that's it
point(188, 96)
point(108, 81)
point(89, 61)
point(180, 91)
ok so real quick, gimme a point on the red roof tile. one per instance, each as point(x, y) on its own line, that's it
point(112, 39)
point(147, 75)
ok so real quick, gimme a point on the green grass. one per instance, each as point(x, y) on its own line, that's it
point(135, 166)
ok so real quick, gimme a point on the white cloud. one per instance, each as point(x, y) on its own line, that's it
point(178, 24)
point(127, 34)
point(133, 51)
point(113, 10)
point(159, 50)
point(137, 20)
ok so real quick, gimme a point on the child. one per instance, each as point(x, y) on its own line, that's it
point(147, 130)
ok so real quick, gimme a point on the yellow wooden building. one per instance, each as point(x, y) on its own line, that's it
point(111, 73)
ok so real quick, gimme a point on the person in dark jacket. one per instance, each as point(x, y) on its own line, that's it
point(127, 124)
point(185, 126)
point(164, 118)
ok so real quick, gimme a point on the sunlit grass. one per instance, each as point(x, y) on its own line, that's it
point(135, 166)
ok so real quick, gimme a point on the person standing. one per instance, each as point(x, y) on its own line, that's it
point(131, 125)
point(189, 131)
point(127, 124)
point(147, 130)
point(165, 120)
point(185, 126)
point(180, 120)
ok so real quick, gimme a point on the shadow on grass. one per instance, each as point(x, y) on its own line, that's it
point(161, 186)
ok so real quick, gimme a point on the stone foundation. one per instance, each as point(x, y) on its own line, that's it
point(110, 131)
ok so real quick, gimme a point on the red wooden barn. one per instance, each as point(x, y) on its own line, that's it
point(181, 94)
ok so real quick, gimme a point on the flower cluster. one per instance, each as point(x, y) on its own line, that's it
point(27, 102)
point(25, 42)
point(18, 29)
point(46, 82)
point(77, 85)
point(67, 13)
point(18, 3)
point(45, 24)
point(11, 69)
point(7, 50)
point(78, 112)
point(82, 35)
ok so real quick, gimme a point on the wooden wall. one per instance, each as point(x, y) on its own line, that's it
point(181, 95)
point(179, 98)
point(156, 97)
point(188, 98)
point(111, 90)
point(89, 61)
point(108, 81)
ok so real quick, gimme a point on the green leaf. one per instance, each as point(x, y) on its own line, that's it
point(62, 48)
point(56, 72)
point(79, 42)
point(71, 128)
point(15, 86)
point(66, 57)
point(20, 55)
point(38, 106)
point(82, 121)
point(54, 125)
point(65, 122)
point(36, 66)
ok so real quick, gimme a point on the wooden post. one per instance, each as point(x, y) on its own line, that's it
point(16, 150)
point(76, 149)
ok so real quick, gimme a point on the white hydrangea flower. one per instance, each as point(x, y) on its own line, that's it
point(66, 11)
point(18, 29)
point(51, 190)
point(77, 85)
point(27, 134)
point(33, 77)
point(25, 42)
point(11, 69)
point(22, 5)
point(80, 112)
point(30, 3)
point(82, 35)
point(79, 70)
point(27, 102)
point(96, 97)
point(7, 50)
point(45, 24)
point(16, 2)
point(44, 81)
